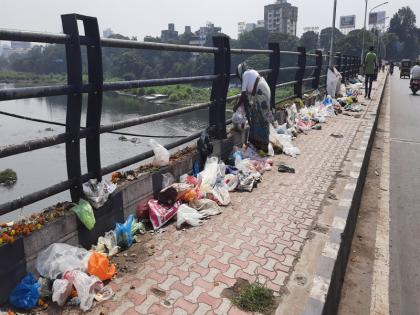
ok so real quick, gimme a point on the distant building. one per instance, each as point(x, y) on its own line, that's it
point(187, 30)
point(248, 27)
point(107, 33)
point(169, 35)
point(281, 17)
point(17, 48)
point(200, 36)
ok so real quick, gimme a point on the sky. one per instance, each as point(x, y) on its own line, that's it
point(148, 17)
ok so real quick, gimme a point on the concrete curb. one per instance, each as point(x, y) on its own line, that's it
point(326, 287)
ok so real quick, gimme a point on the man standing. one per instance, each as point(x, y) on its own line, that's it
point(371, 65)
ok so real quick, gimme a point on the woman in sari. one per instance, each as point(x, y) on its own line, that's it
point(255, 97)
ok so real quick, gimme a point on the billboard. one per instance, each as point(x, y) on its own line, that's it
point(348, 21)
point(377, 18)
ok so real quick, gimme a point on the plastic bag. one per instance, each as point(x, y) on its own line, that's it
point(61, 291)
point(231, 181)
point(239, 118)
point(98, 193)
point(206, 206)
point(59, 258)
point(188, 215)
point(160, 214)
point(204, 146)
point(123, 233)
point(246, 181)
point(167, 180)
point(208, 176)
point(107, 244)
point(99, 266)
point(45, 287)
point(331, 82)
point(84, 212)
point(25, 295)
point(221, 193)
point(161, 154)
point(86, 287)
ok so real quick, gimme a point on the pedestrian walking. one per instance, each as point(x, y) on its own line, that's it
point(370, 66)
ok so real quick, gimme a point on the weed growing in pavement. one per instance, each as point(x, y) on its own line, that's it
point(254, 297)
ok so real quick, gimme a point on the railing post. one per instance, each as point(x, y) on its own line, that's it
point(345, 75)
point(338, 63)
point(318, 69)
point(274, 66)
point(94, 108)
point(300, 72)
point(220, 86)
point(74, 104)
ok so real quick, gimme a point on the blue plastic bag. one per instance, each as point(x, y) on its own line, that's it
point(123, 232)
point(25, 295)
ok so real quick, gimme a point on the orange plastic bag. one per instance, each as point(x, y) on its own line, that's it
point(188, 195)
point(98, 265)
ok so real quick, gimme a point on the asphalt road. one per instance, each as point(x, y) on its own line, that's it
point(404, 199)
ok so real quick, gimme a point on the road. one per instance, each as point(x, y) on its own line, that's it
point(404, 279)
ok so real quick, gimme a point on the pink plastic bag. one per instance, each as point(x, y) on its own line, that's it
point(160, 214)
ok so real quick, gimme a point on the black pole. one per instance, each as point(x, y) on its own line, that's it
point(275, 68)
point(318, 69)
point(301, 72)
point(74, 104)
point(94, 108)
point(217, 113)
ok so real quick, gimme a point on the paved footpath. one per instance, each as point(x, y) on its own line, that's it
point(260, 236)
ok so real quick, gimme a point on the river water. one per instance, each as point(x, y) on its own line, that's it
point(41, 168)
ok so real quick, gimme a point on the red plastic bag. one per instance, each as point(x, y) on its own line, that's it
point(160, 214)
point(98, 265)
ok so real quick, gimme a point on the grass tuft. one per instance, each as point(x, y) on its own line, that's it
point(254, 297)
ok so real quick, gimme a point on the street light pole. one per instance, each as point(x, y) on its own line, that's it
point(364, 28)
point(331, 64)
point(364, 31)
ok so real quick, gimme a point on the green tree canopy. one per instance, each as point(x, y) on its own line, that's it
point(309, 40)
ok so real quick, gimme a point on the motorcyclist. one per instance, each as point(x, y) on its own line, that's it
point(391, 67)
point(415, 72)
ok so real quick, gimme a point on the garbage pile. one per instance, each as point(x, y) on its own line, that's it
point(74, 276)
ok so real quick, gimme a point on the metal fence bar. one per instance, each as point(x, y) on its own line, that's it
point(36, 37)
point(74, 104)
point(318, 69)
point(301, 72)
point(220, 88)
point(251, 51)
point(274, 74)
point(94, 108)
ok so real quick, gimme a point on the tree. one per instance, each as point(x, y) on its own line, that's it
point(325, 37)
point(309, 40)
point(403, 24)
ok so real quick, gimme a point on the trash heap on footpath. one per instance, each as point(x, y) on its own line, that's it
point(75, 276)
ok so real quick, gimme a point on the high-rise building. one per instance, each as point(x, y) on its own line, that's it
point(281, 17)
point(170, 34)
point(200, 36)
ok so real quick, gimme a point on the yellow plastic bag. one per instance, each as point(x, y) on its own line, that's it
point(98, 265)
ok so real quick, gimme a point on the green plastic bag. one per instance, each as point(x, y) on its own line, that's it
point(84, 212)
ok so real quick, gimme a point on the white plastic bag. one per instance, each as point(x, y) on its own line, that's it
point(239, 118)
point(331, 82)
point(167, 180)
point(161, 154)
point(98, 193)
point(221, 192)
point(61, 291)
point(208, 177)
point(270, 150)
point(86, 287)
point(59, 258)
point(231, 181)
point(188, 215)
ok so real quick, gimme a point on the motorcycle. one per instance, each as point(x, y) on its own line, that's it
point(391, 70)
point(414, 85)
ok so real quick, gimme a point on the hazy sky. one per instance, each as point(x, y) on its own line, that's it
point(148, 17)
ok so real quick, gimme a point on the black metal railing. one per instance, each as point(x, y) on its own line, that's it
point(73, 42)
